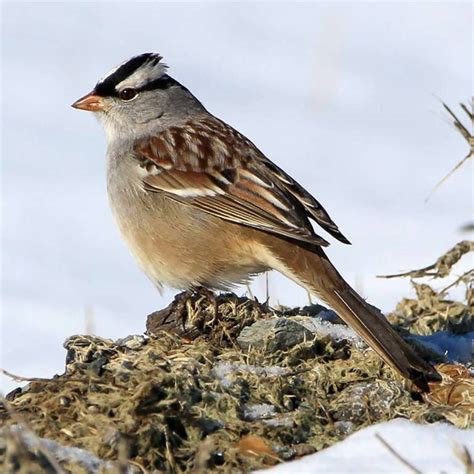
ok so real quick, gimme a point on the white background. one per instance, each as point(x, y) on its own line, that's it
point(344, 96)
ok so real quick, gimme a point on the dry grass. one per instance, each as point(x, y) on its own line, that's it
point(159, 403)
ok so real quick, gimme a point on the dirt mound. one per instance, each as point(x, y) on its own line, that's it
point(230, 386)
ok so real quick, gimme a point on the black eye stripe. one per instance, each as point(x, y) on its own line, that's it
point(164, 82)
point(108, 90)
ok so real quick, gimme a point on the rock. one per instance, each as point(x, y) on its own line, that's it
point(25, 449)
point(273, 335)
point(295, 451)
point(284, 333)
point(344, 428)
point(303, 449)
point(282, 420)
point(330, 316)
point(133, 342)
point(368, 400)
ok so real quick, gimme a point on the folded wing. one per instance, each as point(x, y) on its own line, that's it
point(209, 165)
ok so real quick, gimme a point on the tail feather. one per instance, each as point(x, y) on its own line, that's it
point(310, 268)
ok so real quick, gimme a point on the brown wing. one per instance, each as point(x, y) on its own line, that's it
point(315, 210)
point(209, 165)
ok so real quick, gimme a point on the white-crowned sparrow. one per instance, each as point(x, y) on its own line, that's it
point(199, 205)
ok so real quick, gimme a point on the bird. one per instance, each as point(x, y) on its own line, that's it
point(200, 206)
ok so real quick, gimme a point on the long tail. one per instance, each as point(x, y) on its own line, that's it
point(311, 268)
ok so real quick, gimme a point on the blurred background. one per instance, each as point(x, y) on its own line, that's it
point(343, 96)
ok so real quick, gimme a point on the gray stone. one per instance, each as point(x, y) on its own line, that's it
point(368, 400)
point(283, 420)
point(84, 460)
point(274, 334)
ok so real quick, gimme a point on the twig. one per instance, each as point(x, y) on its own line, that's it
point(442, 267)
point(458, 165)
point(397, 455)
point(459, 279)
point(420, 273)
point(463, 454)
point(468, 136)
point(169, 452)
point(458, 124)
point(468, 112)
point(19, 378)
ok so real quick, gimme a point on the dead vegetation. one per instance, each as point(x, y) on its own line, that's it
point(465, 133)
point(165, 403)
point(433, 310)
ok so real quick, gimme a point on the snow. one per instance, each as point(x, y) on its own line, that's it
point(323, 328)
point(226, 372)
point(257, 411)
point(428, 448)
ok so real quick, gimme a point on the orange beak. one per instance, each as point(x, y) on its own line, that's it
point(90, 102)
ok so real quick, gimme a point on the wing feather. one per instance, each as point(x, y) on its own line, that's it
point(209, 165)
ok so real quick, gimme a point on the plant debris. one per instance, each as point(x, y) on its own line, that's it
point(443, 265)
point(165, 403)
point(466, 134)
point(432, 310)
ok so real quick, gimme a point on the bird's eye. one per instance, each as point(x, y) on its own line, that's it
point(128, 94)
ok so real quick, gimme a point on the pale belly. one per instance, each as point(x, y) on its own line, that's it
point(179, 246)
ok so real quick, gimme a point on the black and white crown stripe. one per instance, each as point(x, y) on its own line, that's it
point(145, 71)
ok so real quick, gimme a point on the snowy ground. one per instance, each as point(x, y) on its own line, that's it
point(343, 96)
point(428, 449)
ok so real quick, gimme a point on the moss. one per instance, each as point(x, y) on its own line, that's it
point(178, 399)
point(161, 398)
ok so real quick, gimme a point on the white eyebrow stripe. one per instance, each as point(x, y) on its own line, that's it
point(146, 73)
